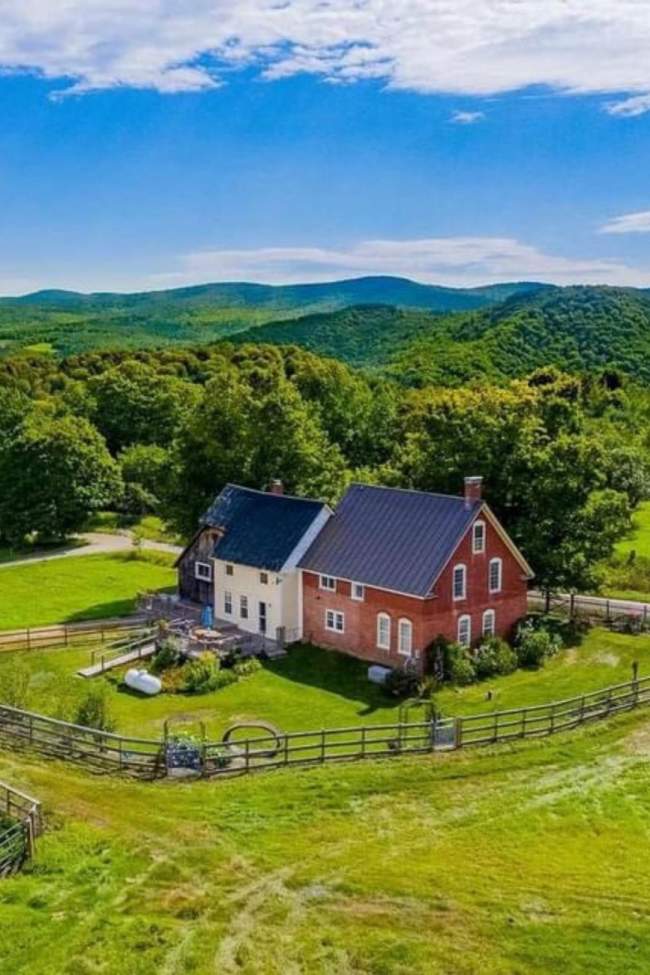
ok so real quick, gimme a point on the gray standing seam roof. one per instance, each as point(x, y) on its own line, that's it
point(260, 529)
point(391, 538)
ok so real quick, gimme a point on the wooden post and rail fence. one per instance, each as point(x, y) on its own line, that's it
point(69, 634)
point(145, 758)
point(20, 824)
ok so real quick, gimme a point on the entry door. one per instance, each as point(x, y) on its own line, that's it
point(262, 617)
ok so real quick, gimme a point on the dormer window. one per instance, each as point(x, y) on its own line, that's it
point(478, 538)
point(328, 583)
point(358, 592)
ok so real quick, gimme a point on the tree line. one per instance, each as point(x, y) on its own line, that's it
point(564, 458)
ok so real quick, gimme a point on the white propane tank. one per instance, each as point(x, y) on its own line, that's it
point(143, 681)
point(378, 674)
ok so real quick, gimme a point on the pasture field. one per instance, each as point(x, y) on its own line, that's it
point(527, 859)
point(78, 587)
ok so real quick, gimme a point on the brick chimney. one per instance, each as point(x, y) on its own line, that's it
point(473, 489)
point(276, 487)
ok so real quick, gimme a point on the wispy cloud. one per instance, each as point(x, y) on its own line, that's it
point(454, 261)
point(467, 118)
point(628, 223)
point(476, 47)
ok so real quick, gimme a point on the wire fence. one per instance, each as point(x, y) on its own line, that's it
point(144, 758)
point(20, 824)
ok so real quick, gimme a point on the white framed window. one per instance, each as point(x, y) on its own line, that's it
point(496, 572)
point(243, 607)
point(478, 537)
point(405, 637)
point(327, 582)
point(334, 621)
point(489, 622)
point(203, 571)
point(230, 570)
point(460, 582)
point(264, 578)
point(465, 631)
point(227, 603)
point(358, 592)
point(383, 631)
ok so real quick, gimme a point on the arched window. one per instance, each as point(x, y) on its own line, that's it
point(496, 571)
point(460, 582)
point(405, 637)
point(465, 631)
point(478, 537)
point(489, 622)
point(383, 631)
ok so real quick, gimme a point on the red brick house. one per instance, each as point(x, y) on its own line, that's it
point(393, 569)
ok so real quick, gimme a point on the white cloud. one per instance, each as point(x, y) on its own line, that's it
point(477, 47)
point(453, 261)
point(630, 107)
point(628, 223)
point(467, 118)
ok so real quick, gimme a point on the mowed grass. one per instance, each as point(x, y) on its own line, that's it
point(527, 859)
point(639, 539)
point(313, 689)
point(78, 588)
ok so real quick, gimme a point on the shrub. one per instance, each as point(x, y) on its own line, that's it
point(399, 683)
point(462, 671)
point(201, 674)
point(246, 668)
point(167, 655)
point(94, 711)
point(494, 656)
point(534, 646)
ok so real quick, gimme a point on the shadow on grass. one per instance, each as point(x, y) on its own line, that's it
point(331, 671)
point(113, 609)
point(36, 553)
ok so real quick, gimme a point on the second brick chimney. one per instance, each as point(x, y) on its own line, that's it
point(473, 489)
point(276, 487)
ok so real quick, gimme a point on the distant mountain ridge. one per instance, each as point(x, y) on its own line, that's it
point(382, 290)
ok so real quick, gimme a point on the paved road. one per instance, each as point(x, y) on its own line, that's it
point(600, 605)
point(95, 543)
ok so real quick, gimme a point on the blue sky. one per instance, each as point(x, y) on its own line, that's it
point(254, 165)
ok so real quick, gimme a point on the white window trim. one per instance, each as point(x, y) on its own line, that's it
point(208, 574)
point(465, 618)
point(475, 549)
point(491, 615)
point(384, 617)
point(323, 583)
point(227, 602)
point(353, 586)
point(498, 562)
point(336, 614)
point(462, 566)
point(401, 622)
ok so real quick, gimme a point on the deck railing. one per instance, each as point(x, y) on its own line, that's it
point(20, 824)
point(145, 758)
point(68, 634)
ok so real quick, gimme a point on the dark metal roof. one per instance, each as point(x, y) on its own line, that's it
point(260, 529)
point(391, 538)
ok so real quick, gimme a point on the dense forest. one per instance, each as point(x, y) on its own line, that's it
point(66, 322)
point(564, 457)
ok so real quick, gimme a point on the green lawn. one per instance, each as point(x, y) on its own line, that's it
point(312, 689)
point(528, 859)
point(77, 588)
point(639, 539)
point(522, 859)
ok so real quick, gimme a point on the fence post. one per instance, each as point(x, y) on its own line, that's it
point(247, 755)
point(458, 732)
point(363, 742)
point(608, 615)
point(29, 640)
point(286, 749)
point(572, 605)
point(322, 745)
point(552, 720)
point(524, 714)
point(635, 683)
point(65, 635)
